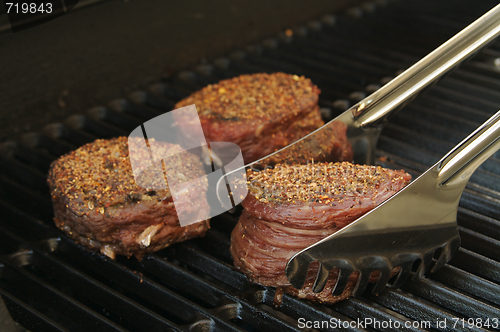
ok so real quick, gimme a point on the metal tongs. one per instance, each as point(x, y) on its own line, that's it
point(415, 229)
point(417, 226)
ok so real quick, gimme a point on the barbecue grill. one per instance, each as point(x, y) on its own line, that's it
point(50, 283)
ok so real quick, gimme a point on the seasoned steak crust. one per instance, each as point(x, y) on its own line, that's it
point(289, 208)
point(261, 113)
point(98, 204)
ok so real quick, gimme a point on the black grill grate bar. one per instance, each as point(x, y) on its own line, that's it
point(442, 295)
point(134, 109)
point(428, 314)
point(295, 308)
point(24, 224)
point(422, 36)
point(434, 143)
point(327, 63)
point(487, 174)
point(120, 120)
point(184, 256)
point(9, 245)
point(459, 98)
point(150, 101)
point(96, 128)
point(336, 82)
point(479, 223)
point(24, 174)
point(428, 126)
point(481, 200)
point(40, 141)
point(442, 119)
point(332, 39)
point(475, 90)
point(358, 308)
point(216, 243)
point(200, 289)
point(322, 47)
point(477, 264)
point(35, 158)
point(332, 88)
point(187, 81)
point(72, 136)
point(225, 273)
point(31, 318)
point(468, 283)
point(142, 286)
point(452, 108)
point(25, 285)
point(486, 69)
point(209, 265)
point(473, 83)
point(25, 199)
point(61, 278)
point(479, 243)
point(166, 272)
point(474, 77)
point(51, 300)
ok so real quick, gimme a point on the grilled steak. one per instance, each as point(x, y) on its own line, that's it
point(289, 208)
point(98, 204)
point(261, 113)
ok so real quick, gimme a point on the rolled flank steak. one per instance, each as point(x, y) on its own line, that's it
point(289, 208)
point(261, 113)
point(98, 203)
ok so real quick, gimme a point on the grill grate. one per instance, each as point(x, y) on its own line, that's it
point(50, 283)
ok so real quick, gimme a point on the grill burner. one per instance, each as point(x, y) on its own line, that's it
point(50, 283)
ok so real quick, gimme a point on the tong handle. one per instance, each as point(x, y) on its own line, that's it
point(459, 164)
point(374, 109)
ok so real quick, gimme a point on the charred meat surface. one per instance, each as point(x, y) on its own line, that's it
point(289, 208)
point(261, 113)
point(98, 203)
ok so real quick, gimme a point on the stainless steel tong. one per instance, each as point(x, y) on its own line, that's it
point(417, 226)
point(416, 229)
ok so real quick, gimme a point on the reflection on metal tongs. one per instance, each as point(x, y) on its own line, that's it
point(392, 236)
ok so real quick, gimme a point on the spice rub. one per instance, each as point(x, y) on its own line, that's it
point(98, 203)
point(261, 113)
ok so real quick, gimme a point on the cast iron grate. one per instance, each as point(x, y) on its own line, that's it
point(50, 283)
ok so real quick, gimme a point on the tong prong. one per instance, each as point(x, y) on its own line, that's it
point(385, 276)
point(440, 258)
point(402, 275)
point(321, 278)
point(298, 268)
point(342, 280)
point(423, 266)
point(444, 255)
point(362, 283)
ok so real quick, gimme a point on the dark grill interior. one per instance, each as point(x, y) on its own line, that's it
point(49, 283)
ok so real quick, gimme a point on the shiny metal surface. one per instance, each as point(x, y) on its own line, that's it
point(416, 225)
